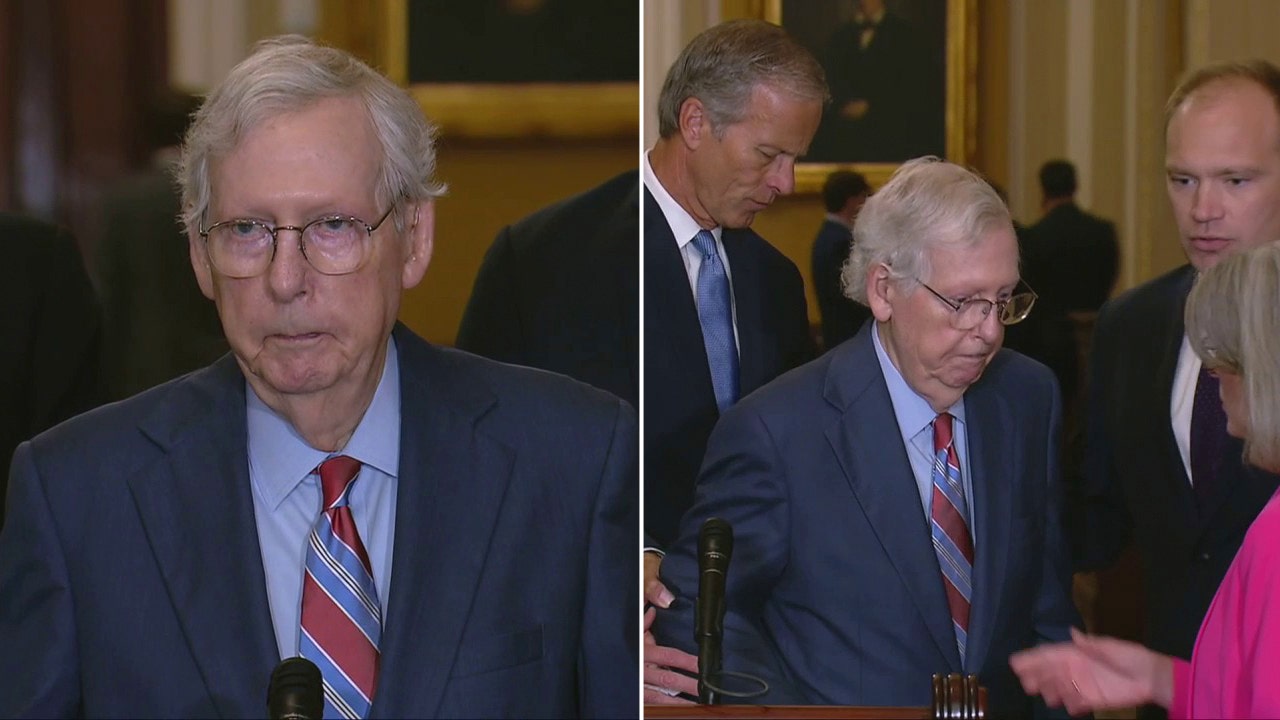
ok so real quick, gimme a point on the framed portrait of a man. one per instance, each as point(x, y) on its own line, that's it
point(902, 75)
point(516, 68)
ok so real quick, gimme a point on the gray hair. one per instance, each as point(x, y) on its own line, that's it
point(290, 73)
point(1233, 324)
point(725, 63)
point(927, 202)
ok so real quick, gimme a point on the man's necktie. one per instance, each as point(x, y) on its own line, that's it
point(341, 618)
point(951, 539)
point(715, 314)
point(1208, 434)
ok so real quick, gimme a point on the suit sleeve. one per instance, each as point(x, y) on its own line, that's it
point(741, 482)
point(491, 322)
point(1098, 520)
point(610, 656)
point(39, 662)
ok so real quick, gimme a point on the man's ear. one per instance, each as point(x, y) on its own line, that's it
point(695, 126)
point(880, 289)
point(200, 262)
point(419, 237)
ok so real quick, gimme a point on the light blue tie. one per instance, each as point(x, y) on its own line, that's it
point(715, 314)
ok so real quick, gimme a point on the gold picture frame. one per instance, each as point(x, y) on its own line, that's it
point(961, 94)
point(508, 110)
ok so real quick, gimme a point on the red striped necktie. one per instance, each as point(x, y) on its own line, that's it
point(950, 528)
point(341, 617)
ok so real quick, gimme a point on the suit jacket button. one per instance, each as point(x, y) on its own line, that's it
point(1204, 556)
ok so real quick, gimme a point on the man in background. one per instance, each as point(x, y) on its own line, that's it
point(1160, 470)
point(443, 535)
point(1071, 261)
point(156, 323)
point(843, 194)
point(725, 311)
point(560, 290)
point(50, 334)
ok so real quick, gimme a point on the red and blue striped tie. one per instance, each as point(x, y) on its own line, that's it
point(341, 618)
point(951, 539)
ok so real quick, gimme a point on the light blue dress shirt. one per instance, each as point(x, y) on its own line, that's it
point(287, 498)
point(915, 422)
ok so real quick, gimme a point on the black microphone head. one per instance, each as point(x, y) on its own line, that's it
point(296, 691)
point(715, 542)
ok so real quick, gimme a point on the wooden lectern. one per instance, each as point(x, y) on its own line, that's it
point(955, 697)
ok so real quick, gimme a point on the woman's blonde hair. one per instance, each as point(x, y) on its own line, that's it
point(1233, 324)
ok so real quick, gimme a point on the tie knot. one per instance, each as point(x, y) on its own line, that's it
point(706, 243)
point(336, 475)
point(941, 431)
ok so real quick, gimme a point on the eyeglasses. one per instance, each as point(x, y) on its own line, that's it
point(970, 313)
point(334, 244)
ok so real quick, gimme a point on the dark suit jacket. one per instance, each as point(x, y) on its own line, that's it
point(679, 402)
point(559, 290)
point(1135, 485)
point(131, 580)
point(157, 324)
point(50, 331)
point(1070, 259)
point(841, 317)
point(834, 591)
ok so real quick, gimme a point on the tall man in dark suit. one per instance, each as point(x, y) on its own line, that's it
point(443, 535)
point(724, 310)
point(50, 333)
point(895, 503)
point(559, 290)
point(1160, 469)
point(1071, 260)
point(843, 194)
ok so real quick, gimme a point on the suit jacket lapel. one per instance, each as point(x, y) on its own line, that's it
point(197, 511)
point(451, 485)
point(745, 269)
point(870, 451)
point(992, 463)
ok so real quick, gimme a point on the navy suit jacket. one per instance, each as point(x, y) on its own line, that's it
point(1135, 486)
point(679, 401)
point(834, 591)
point(131, 580)
point(559, 290)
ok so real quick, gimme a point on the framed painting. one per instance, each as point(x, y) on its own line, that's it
point(516, 68)
point(902, 74)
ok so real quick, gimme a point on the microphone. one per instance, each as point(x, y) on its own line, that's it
point(715, 549)
point(295, 692)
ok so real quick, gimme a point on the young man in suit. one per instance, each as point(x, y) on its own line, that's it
point(50, 334)
point(559, 290)
point(843, 194)
point(895, 504)
point(1160, 470)
point(442, 534)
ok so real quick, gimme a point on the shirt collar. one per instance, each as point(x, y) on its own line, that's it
point(682, 224)
point(912, 411)
point(280, 459)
